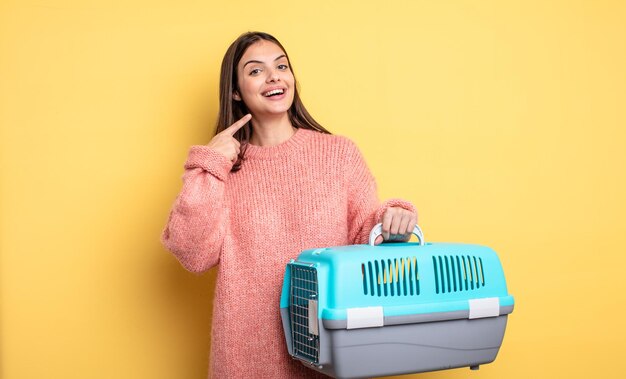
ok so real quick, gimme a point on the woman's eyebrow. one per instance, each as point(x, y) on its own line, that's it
point(255, 61)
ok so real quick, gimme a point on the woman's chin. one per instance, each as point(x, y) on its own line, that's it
point(271, 112)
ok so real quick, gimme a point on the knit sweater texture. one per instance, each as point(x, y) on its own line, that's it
point(313, 190)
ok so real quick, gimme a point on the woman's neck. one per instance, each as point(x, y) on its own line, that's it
point(271, 130)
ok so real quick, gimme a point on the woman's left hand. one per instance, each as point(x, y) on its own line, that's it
point(398, 224)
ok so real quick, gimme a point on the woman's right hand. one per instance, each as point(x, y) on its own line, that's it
point(224, 142)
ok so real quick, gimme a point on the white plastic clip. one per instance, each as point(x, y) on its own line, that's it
point(487, 307)
point(367, 317)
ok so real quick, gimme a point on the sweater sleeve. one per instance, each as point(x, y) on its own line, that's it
point(364, 208)
point(196, 226)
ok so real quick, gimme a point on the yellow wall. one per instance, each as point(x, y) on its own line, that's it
point(503, 121)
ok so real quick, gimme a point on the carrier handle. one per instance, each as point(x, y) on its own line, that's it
point(378, 230)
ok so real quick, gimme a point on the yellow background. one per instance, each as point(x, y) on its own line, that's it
point(503, 121)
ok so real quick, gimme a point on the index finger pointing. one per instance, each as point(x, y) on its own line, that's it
point(238, 124)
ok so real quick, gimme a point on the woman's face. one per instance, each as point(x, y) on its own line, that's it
point(265, 80)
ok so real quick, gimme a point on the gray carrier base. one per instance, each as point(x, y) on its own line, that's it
point(406, 348)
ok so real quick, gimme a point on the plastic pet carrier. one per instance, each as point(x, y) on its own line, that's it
point(396, 308)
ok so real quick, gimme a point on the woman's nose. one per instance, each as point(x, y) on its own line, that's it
point(273, 76)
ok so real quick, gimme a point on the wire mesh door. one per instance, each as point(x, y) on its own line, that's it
point(303, 312)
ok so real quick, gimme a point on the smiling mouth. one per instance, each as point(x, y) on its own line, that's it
point(274, 92)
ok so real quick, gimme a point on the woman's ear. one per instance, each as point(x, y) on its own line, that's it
point(236, 96)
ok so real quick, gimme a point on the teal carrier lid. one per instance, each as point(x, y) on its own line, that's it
point(403, 279)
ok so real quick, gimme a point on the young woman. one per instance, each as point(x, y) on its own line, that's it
point(271, 183)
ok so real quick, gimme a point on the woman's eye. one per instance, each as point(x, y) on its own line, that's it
point(255, 71)
point(282, 67)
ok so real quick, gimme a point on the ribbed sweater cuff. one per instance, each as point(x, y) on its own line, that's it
point(393, 203)
point(209, 160)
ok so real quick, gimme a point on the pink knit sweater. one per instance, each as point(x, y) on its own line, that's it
point(313, 190)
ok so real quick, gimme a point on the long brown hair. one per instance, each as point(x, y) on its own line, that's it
point(231, 111)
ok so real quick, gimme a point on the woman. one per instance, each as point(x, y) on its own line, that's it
point(271, 183)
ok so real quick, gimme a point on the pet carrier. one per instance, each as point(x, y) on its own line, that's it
point(396, 308)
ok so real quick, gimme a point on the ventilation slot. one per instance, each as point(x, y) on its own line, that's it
point(482, 273)
point(458, 273)
point(391, 277)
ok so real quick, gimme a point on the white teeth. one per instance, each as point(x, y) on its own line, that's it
point(273, 92)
